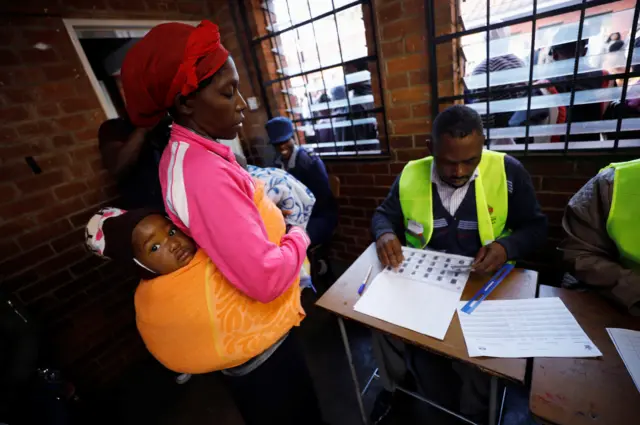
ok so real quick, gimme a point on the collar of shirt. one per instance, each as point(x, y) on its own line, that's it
point(451, 197)
point(292, 160)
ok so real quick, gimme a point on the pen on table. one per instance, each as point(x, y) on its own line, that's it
point(364, 282)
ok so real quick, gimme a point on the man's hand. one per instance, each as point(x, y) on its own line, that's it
point(490, 258)
point(389, 250)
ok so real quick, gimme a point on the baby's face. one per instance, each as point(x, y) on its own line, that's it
point(161, 246)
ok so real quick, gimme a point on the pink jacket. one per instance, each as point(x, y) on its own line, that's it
point(209, 196)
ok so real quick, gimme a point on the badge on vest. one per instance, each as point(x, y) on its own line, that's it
point(416, 230)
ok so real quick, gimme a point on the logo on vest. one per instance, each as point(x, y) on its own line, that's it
point(493, 219)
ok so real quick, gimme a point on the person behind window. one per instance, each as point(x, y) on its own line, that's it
point(602, 244)
point(186, 71)
point(510, 227)
point(311, 172)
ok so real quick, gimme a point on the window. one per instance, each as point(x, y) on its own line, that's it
point(561, 75)
point(322, 67)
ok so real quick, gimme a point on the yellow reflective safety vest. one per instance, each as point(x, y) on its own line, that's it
point(491, 199)
point(623, 222)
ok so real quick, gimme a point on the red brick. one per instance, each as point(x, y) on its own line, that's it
point(86, 4)
point(45, 286)
point(553, 200)
point(398, 112)
point(88, 264)
point(419, 77)
point(374, 168)
point(421, 140)
point(56, 90)
point(191, 8)
point(366, 203)
point(28, 75)
point(37, 128)
point(566, 185)
point(70, 190)
point(397, 81)
point(384, 180)
point(72, 122)
point(390, 12)
point(358, 180)
point(53, 160)
point(21, 95)
point(14, 114)
point(411, 126)
point(549, 166)
point(132, 5)
point(25, 205)
point(61, 243)
point(410, 94)
point(392, 48)
point(38, 57)
point(554, 216)
point(48, 36)
point(24, 261)
point(9, 58)
point(86, 135)
point(8, 193)
point(41, 181)
point(60, 210)
point(406, 63)
point(47, 110)
point(61, 141)
point(8, 134)
point(589, 167)
point(411, 154)
point(85, 153)
point(9, 249)
point(415, 43)
point(78, 104)
point(397, 167)
point(60, 72)
point(16, 226)
point(401, 142)
point(43, 234)
point(80, 170)
point(14, 171)
point(421, 110)
point(62, 261)
point(401, 27)
point(81, 218)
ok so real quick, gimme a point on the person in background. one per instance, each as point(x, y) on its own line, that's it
point(131, 155)
point(311, 172)
point(508, 226)
point(630, 108)
point(186, 71)
point(602, 244)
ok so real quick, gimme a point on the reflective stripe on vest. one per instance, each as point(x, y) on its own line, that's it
point(622, 223)
point(491, 198)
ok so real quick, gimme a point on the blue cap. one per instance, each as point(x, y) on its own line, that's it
point(279, 129)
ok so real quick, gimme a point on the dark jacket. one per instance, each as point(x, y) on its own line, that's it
point(311, 172)
point(525, 218)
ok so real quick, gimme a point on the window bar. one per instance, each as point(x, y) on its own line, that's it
point(376, 110)
point(627, 69)
point(372, 20)
point(324, 83)
point(575, 73)
point(254, 58)
point(433, 66)
point(344, 77)
point(306, 82)
point(274, 42)
point(488, 141)
point(321, 68)
point(308, 21)
point(531, 57)
point(550, 13)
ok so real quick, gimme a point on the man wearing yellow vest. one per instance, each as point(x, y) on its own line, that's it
point(462, 200)
point(602, 247)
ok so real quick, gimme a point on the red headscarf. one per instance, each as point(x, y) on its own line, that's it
point(172, 58)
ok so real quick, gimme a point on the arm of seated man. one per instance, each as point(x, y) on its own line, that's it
point(386, 225)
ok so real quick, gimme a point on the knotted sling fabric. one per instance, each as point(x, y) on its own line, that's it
point(171, 59)
point(194, 321)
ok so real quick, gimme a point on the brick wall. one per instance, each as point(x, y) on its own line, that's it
point(48, 111)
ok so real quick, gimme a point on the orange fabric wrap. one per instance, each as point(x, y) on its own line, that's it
point(195, 321)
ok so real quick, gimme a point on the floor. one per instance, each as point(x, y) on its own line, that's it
point(149, 394)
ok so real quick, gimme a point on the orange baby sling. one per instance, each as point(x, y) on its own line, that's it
point(194, 321)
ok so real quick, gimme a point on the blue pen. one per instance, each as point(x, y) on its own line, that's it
point(364, 282)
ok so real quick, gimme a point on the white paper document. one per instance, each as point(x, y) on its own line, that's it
point(422, 295)
point(627, 343)
point(537, 327)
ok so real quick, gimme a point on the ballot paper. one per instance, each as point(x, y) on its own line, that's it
point(421, 295)
point(627, 343)
point(537, 327)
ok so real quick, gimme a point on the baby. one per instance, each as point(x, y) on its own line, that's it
point(184, 300)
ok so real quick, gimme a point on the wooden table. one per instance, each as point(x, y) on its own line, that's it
point(342, 296)
point(568, 391)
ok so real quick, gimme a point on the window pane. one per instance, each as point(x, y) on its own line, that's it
point(318, 7)
point(353, 38)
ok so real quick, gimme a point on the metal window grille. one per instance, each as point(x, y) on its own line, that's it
point(325, 75)
point(543, 73)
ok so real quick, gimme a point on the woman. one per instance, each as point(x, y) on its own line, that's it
point(186, 72)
